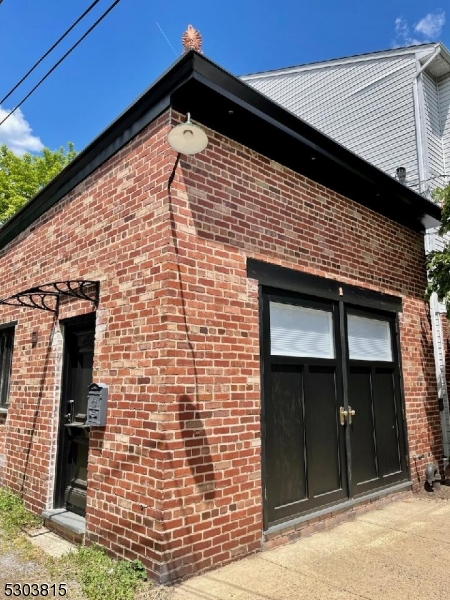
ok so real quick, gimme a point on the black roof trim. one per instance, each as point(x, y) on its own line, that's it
point(229, 106)
point(266, 127)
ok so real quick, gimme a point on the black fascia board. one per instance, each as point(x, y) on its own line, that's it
point(268, 128)
point(228, 105)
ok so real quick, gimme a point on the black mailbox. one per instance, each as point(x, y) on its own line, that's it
point(96, 405)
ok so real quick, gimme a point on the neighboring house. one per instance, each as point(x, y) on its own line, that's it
point(392, 108)
point(256, 312)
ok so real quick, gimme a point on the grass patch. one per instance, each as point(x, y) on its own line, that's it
point(102, 577)
point(99, 576)
point(13, 515)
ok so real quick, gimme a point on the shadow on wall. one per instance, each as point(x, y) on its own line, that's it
point(181, 559)
point(194, 436)
point(38, 404)
point(196, 447)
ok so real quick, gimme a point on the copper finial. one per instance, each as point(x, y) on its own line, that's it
point(192, 40)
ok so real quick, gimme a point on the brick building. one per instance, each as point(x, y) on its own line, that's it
point(246, 307)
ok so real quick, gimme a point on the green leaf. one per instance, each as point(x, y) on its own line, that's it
point(438, 262)
point(22, 177)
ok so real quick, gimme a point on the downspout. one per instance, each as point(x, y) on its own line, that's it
point(439, 355)
point(419, 116)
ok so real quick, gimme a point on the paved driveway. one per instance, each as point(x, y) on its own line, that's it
point(401, 551)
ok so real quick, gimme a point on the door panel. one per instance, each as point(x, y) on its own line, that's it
point(285, 437)
point(322, 431)
point(363, 444)
point(304, 443)
point(387, 429)
point(376, 432)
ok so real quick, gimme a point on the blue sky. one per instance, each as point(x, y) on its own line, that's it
point(128, 51)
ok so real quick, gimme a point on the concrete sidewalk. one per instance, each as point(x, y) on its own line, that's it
point(401, 551)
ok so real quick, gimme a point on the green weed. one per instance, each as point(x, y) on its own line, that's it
point(13, 515)
point(103, 577)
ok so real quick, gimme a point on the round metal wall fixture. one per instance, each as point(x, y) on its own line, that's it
point(187, 138)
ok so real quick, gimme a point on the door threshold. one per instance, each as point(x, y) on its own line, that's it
point(280, 528)
point(65, 523)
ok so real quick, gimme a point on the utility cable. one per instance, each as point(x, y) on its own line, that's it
point(65, 34)
point(97, 22)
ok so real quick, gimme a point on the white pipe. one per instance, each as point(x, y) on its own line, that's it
point(420, 129)
point(439, 361)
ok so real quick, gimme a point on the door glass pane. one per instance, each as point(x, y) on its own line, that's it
point(300, 331)
point(369, 339)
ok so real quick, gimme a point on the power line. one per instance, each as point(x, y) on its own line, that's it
point(71, 49)
point(167, 40)
point(49, 50)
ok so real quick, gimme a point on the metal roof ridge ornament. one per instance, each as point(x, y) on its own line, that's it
point(192, 40)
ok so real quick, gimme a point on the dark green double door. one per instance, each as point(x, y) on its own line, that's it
point(333, 418)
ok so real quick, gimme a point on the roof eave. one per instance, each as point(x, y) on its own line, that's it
point(230, 106)
point(335, 62)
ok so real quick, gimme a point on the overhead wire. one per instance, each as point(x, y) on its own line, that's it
point(71, 49)
point(44, 56)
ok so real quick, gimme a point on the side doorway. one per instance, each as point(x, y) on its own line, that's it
point(73, 441)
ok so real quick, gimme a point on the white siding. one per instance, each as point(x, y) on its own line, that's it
point(444, 109)
point(366, 106)
point(436, 167)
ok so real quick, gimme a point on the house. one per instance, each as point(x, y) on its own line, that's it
point(252, 317)
point(392, 108)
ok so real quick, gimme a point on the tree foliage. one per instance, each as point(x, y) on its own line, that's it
point(438, 262)
point(21, 177)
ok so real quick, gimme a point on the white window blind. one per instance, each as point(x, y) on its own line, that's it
point(369, 339)
point(300, 331)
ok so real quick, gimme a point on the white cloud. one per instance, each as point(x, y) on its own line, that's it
point(431, 25)
point(426, 30)
point(403, 36)
point(16, 133)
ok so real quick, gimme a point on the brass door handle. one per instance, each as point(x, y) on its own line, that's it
point(342, 415)
point(350, 414)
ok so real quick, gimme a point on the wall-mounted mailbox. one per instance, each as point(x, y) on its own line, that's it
point(97, 404)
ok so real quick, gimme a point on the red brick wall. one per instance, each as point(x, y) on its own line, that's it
point(175, 477)
point(228, 204)
point(112, 228)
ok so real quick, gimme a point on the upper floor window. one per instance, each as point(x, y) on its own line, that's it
point(6, 349)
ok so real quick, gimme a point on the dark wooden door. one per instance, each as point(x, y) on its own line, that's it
point(305, 462)
point(74, 438)
point(376, 430)
point(333, 425)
